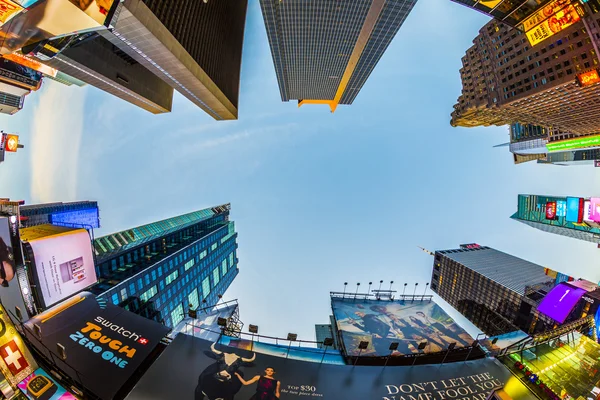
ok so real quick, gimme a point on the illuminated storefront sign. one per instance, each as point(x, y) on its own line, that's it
point(576, 143)
point(556, 23)
point(11, 143)
point(16, 363)
point(588, 78)
point(544, 13)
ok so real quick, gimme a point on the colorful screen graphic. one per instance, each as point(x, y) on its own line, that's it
point(575, 209)
point(561, 208)
point(588, 78)
point(559, 303)
point(383, 322)
point(40, 385)
point(560, 20)
point(551, 210)
point(63, 260)
point(595, 209)
point(576, 143)
point(194, 370)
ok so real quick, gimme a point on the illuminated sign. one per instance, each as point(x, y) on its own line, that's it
point(551, 210)
point(40, 385)
point(561, 208)
point(19, 75)
point(594, 209)
point(556, 23)
point(544, 13)
point(16, 363)
point(8, 9)
point(31, 63)
point(11, 143)
point(576, 143)
point(575, 209)
point(588, 78)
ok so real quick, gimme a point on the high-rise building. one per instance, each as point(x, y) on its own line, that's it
point(497, 292)
point(323, 331)
point(507, 80)
point(163, 269)
point(566, 216)
point(324, 52)
point(80, 214)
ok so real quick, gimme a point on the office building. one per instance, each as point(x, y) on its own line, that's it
point(507, 80)
point(158, 270)
point(497, 292)
point(323, 331)
point(324, 52)
point(76, 214)
point(551, 214)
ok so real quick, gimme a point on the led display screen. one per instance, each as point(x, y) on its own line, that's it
point(561, 208)
point(560, 20)
point(575, 209)
point(560, 301)
point(576, 143)
point(595, 209)
point(551, 210)
point(588, 78)
point(87, 218)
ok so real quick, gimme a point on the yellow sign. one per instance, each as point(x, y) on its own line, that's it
point(588, 78)
point(559, 21)
point(32, 233)
point(16, 362)
point(544, 13)
point(8, 9)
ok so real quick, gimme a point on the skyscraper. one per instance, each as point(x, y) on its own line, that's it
point(162, 269)
point(567, 216)
point(324, 52)
point(506, 79)
point(497, 292)
point(324, 331)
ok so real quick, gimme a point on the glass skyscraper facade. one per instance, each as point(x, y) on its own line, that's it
point(497, 292)
point(160, 270)
point(532, 211)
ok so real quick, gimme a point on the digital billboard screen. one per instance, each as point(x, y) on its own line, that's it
point(383, 322)
point(575, 209)
point(576, 143)
point(62, 260)
point(40, 385)
point(551, 210)
point(588, 78)
point(558, 21)
point(31, 63)
point(8, 9)
point(595, 209)
point(19, 75)
point(560, 301)
point(198, 369)
point(561, 208)
point(104, 344)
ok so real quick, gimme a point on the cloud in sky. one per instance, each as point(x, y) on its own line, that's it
point(56, 134)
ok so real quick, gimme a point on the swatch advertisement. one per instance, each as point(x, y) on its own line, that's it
point(560, 301)
point(63, 261)
point(197, 369)
point(407, 323)
point(40, 385)
point(95, 343)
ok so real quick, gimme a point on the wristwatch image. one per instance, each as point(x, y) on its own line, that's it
point(41, 388)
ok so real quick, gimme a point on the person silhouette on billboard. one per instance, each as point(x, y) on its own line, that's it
point(267, 388)
point(442, 329)
point(7, 264)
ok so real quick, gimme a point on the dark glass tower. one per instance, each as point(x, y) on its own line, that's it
point(324, 51)
point(497, 292)
point(158, 270)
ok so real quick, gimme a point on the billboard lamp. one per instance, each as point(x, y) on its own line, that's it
point(451, 347)
point(61, 351)
point(476, 342)
point(253, 329)
point(292, 338)
point(393, 347)
point(326, 342)
point(361, 346)
point(422, 346)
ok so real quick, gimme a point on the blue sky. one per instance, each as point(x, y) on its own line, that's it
point(318, 198)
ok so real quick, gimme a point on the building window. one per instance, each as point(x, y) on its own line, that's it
point(189, 264)
point(171, 277)
point(194, 299)
point(177, 315)
point(148, 294)
point(206, 287)
point(216, 276)
point(224, 268)
point(115, 298)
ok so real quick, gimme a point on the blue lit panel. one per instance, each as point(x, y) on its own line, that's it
point(83, 218)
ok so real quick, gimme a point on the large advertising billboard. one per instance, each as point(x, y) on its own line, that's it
point(558, 21)
point(31, 63)
point(8, 9)
point(595, 209)
point(407, 323)
point(560, 301)
point(19, 75)
point(62, 261)
point(40, 385)
point(576, 143)
point(201, 370)
point(544, 13)
point(575, 209)
point(47, 19)
point(95, 343)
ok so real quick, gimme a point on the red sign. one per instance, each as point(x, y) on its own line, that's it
point(588, 78)
point(13, 358)
point(11, 143)
point(551, 210)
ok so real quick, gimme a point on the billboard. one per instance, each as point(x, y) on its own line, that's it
point(19, 75)
point(16, 362)
point(588, 78)
point(8, 9)
point(62, 261)
point(560, 301)
point(561, 208)
point(503, 341)
point(595, 209)
point(206, 325)
point(87, 218)
point(11, 142)
point(383, 322)
point(40, 385)
point(544, 13)
point(551, 210)
point(559, 20)
point(103, 345)
point(47, 19)
point(198, 369)
point(576, 143)
point(31, 63)
point(575, 209)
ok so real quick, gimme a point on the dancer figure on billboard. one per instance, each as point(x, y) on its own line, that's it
point(267, 388)
point(7, 264)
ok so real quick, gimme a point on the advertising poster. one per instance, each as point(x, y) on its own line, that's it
point(8, 9)
point(549, 27)
point(544, 13)
point(560, 301)
point(46, 19)
point(200, 370)
point(104, 344)
point(587, 215)
point(62, 259)
point(31, 63)
point(551, 210)
point(595, 209)
point(383, 322)
point(40, 385)
point(19, 75)
point(561, 208)
point(16, 362)
point(504, 341)
point(575, 209)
